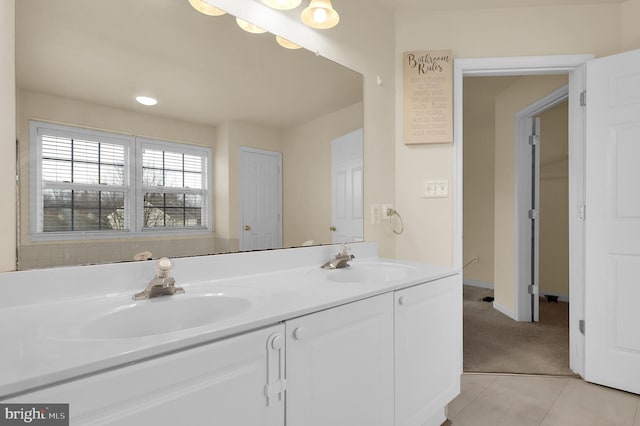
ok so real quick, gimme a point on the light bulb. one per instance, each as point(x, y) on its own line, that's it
point(286, 43)
point(249, 27)
point(319, 15)
point(204, 7)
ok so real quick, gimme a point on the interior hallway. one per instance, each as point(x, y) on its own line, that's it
point(494, 400)
point(494, 343)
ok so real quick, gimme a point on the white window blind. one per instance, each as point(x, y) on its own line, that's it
point(82, 182)
point(174, 184)
point(87, 182)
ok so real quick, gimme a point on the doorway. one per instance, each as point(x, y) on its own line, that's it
point(604, 248)
point(573, 65)
point(347, 180)
point(260, 199)
point(497, 107)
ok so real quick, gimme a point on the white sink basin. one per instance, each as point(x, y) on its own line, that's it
point(127, 318)
point(370, 272)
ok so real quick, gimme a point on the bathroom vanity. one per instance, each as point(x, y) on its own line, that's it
point(376, 343)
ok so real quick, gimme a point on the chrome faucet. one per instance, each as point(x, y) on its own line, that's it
point(162, 284)
point(340, 260)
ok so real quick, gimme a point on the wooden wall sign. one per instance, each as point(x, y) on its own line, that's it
point(428, 97)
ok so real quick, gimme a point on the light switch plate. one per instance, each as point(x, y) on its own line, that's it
point(435, 188)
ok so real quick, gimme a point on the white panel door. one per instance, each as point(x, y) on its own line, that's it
point(260, 199)
point(340, 366)
point(347, 184)
point(612, 251)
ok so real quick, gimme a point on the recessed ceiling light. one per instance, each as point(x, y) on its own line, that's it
point(146, 100)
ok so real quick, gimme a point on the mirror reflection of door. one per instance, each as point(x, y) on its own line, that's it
point(347, 178)
point(260, 199)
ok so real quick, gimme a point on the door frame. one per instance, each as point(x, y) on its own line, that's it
point(278, 156)
point(573, 65)
point(523, 198)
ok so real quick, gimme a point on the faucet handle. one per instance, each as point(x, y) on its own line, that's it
point(164, 265)
point(345, 250)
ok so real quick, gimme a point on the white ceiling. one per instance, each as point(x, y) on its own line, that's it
point(201, 69)
point(481, 4)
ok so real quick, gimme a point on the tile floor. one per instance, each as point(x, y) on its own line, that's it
point(519, 400)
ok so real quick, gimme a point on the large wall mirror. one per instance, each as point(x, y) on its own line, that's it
point(258, 109)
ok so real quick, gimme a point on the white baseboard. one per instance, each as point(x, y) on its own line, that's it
point(498, 307)
point(475, 283)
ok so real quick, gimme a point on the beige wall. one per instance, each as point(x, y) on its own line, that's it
point(554, 201)
point(481, 33)
point(478, 172)
point(307, 175)
point(251, 136)
point(7, 135)
point(629, 28)
point(480, 126)
point(222, 182)
point(522, 93)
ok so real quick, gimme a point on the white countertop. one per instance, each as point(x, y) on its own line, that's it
point(41, 306)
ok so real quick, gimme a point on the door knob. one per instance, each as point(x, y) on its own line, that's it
point(247, 228)
point(298, 333)
point(332, 228)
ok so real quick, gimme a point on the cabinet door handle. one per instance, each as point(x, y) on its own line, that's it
point(298, 333)
point(402, 300)
point(276, 382)
point(247, 228)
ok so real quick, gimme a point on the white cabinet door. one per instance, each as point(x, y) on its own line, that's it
point(340, 365)
point(428, 350)
point(222, 383)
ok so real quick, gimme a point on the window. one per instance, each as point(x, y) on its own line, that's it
point(87, 182)
point(174, 182)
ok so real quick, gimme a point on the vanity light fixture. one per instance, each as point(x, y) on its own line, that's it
point(204, 7)
point(282, 4)
point(320, 14)
point(146, 100)
point(249, 27)
point(286, 43)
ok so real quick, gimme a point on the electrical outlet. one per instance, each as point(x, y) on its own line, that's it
point(376, 214)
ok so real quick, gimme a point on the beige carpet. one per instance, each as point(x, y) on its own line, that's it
point(494, 343)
